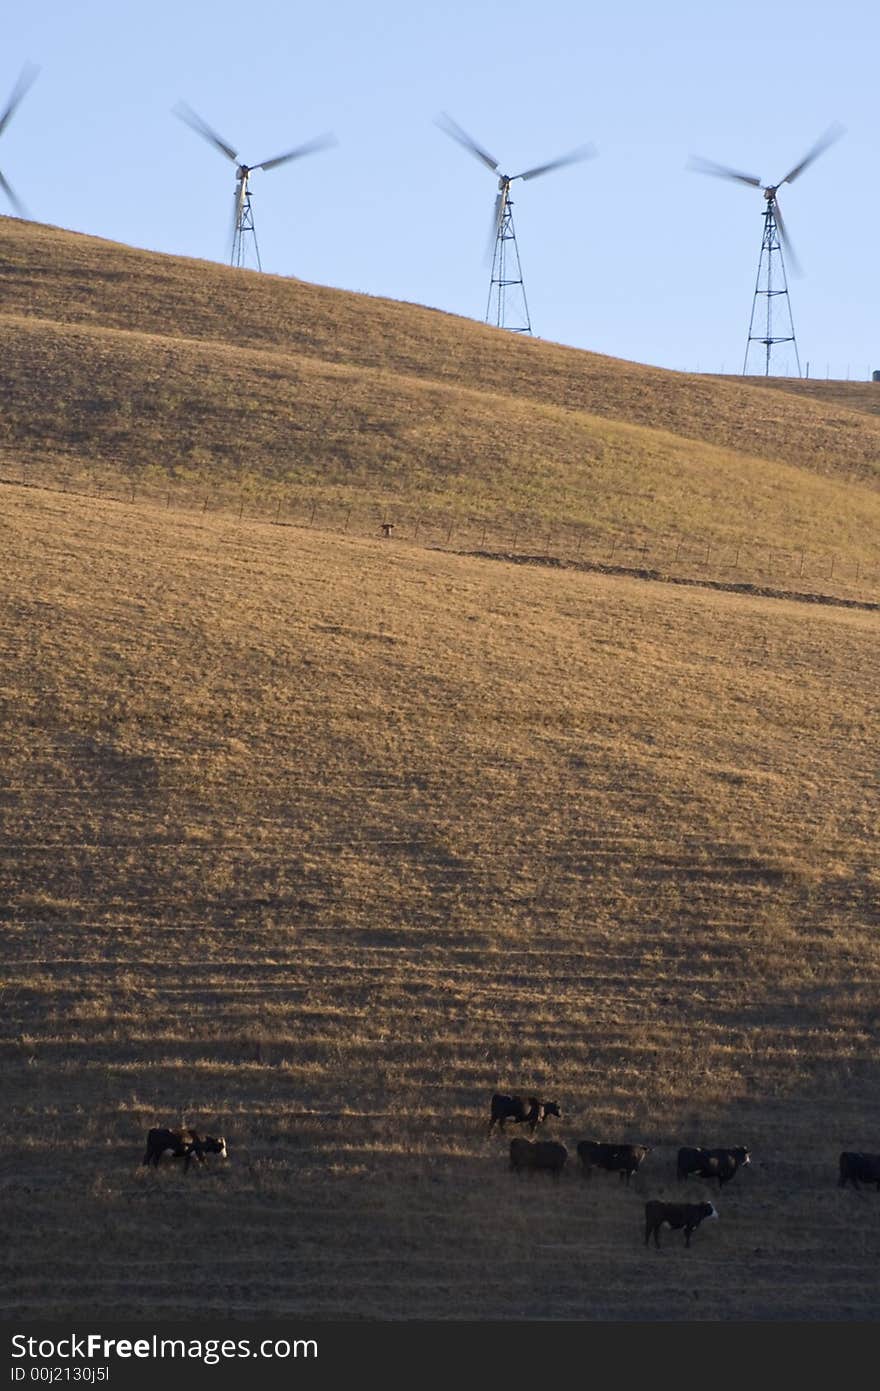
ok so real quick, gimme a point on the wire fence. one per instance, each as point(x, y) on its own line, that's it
point(520, 536)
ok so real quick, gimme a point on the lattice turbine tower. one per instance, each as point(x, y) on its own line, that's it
point(771, 324)
point(507, 306)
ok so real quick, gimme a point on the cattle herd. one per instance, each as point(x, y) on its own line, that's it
point(550, 1156)
point(855, 1167)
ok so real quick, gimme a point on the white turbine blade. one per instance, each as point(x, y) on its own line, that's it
point(320, 142)
point(453, 129)
point(497, 219)
point(793, 263)
point(721, 171)
point(834, 132)
point(13, 197)
point(26, 78)
point(195, 122)
point(236, 211)
point(583, 152)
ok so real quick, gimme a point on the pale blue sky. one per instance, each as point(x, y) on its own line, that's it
point(629, 254)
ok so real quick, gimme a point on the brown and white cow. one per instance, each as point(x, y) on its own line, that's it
point(530, 1155)
point(528, 1111)
point(182, 1144)
point(675, 1216)
point(622, 1159)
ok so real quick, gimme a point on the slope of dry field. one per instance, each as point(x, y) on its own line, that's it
point(123, 365)
point(853, 396)
point(319, 841)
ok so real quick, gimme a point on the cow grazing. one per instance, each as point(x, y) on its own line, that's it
point(522, 1111)
point(856, 1168)
point(622, 1159)
point(715, 1163)
point(675, 1215)
point(182, 1144)
point(538, 1154)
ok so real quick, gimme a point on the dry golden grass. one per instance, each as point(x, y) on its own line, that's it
point(853, 396)
point(320, 841)
point(122, 363)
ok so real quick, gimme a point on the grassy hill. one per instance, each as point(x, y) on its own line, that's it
point(317, 841)
point(122, 362)
point(853, 396)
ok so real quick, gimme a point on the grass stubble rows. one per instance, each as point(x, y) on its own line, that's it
point(318, 840)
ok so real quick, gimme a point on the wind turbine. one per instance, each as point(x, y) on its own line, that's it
point(26, 78)
point(507, 306)
point(774, 240)
point(243, 217)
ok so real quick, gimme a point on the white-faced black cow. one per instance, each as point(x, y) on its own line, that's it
point(675, 1215)
point(522, 1111)
point(182, 1144)
point(716, 1163)
point(857, 1167)
point(549, 1155)
point(622, 1159)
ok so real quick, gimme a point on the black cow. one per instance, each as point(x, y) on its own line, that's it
point(856, 1168)
point(538, 1154)
point(717, 1163)
point(182, 1144)
point(675, 1215)
point(622, 1159)
point(529, 1111)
